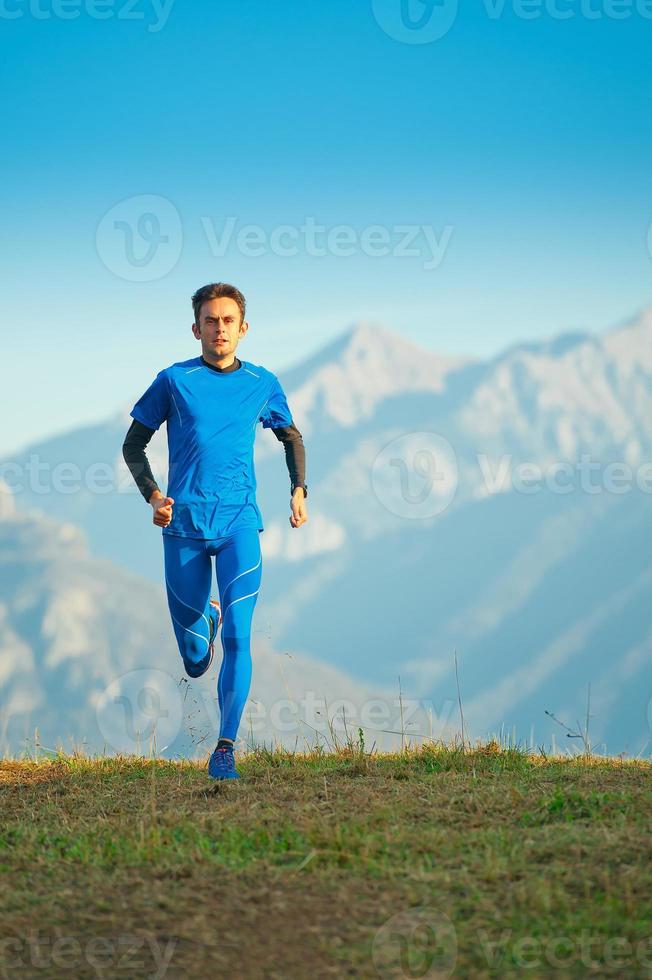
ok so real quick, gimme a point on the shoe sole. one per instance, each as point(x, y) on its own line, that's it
point(211, 645)
point(216, 604)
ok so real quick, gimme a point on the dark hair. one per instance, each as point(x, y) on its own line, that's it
point(215, 290)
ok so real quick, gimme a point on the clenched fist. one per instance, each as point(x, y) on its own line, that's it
point(299, 508)
point(162, 507)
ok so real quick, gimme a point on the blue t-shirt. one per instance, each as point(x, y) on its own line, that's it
point(211, 421)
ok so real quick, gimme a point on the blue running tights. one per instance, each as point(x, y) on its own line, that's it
point(188, 576)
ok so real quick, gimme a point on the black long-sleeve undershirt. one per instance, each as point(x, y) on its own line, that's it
point(139, 435)
point(134, 455)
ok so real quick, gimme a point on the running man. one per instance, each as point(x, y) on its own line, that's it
point(211, 405)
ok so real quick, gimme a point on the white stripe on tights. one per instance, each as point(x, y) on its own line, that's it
point(237, 600)
point(188, 606)
point(252, 569)
point(192, 631)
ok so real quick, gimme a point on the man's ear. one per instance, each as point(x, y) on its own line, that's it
point(196, 331)
point(244, 326)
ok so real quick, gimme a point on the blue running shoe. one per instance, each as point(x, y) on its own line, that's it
point(221, 765)
point(199, 669)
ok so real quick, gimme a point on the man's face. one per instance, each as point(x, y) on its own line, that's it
point(219, 327)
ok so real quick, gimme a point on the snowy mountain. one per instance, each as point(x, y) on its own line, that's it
point(498, 508)
point(576, 394)
point(343, 385)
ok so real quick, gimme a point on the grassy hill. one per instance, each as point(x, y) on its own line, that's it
point(428, 863)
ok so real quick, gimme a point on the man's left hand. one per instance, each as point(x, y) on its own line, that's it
point(299, 508)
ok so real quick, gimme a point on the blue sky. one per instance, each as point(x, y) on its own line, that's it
point(523, 146)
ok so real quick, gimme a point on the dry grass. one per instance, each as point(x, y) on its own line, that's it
point(533, 866)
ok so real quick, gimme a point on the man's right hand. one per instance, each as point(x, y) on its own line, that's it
point(162, 507)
